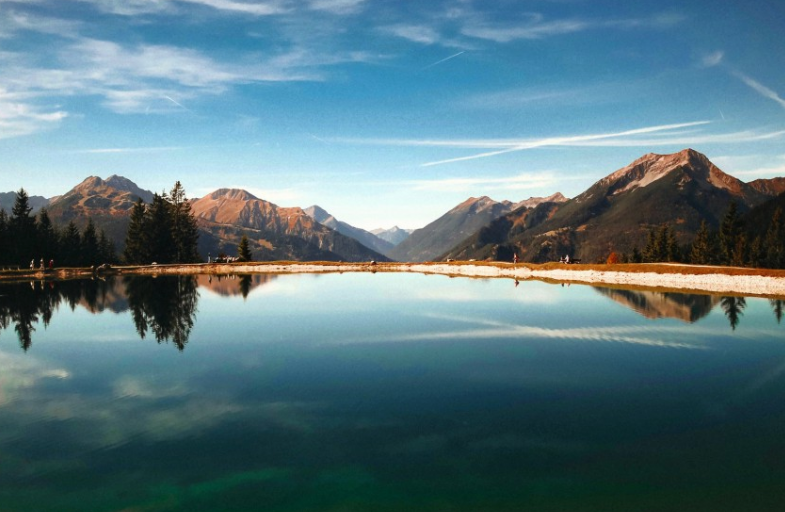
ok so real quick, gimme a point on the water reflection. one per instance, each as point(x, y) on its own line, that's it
point(25, 305)
point(734, 309)
point(165, 306)
point(650, 304)
point(232, 285)
point(684, 306)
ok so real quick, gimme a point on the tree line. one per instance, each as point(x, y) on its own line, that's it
point(34, 241)
point(164, 231)
point(731, 244)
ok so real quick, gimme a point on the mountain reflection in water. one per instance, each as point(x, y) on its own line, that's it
point(165, 307)
point(687, 307)
point(650, 304)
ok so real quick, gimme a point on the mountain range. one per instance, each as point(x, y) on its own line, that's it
point(615, 214)
point(457, 224)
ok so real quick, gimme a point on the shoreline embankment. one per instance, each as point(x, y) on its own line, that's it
point(666, 277)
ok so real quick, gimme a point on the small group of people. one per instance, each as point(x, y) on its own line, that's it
point(51, 264)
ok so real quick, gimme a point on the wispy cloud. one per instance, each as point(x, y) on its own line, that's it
point(680, 134)
point(444, 60)
point(147, 78)
point(519, 182)
point(712, 59)
point(337, 6)
point(15, 21)
point(256, 8)
point(103, 151)
point(537, 26)
point(512, 145)
point(760, 88)
point(241, 7)
point(19, 118)
point(423, 34)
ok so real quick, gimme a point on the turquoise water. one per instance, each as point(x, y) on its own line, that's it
point(386, 392)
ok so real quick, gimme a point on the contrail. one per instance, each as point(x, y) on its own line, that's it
point(443, 60)
point(176, 103)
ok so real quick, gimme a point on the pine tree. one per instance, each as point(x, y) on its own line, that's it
point(671, 245)
point(158, 225)
point(136, 250)
point(70, 245)
point(244, 250)
point(651, 252)
point(185, 233)
point(47, 236)
point(106, 250)
point(22, 229)
point(756, 255)
point(739, 254)
point(729, 231)
point(774, 252)
point(700, 253)
point(90, 254)
point(5, 239)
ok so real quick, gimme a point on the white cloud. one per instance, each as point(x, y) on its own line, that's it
point(15, 21)
point(536, 26)
point(422, 34)
point(131, 7)
point(712, 59)
point(337, 6)
point(534, 30)
point(256, 8)
point(19, 118)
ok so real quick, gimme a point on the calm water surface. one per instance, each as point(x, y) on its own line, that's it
point(386, 392)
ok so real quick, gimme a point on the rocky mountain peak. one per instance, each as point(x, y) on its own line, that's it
point(232, 194)
point(653, 167)
point(319, 214)
point(533, 202)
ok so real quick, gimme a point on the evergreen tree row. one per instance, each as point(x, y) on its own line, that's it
point(731, 244)
point(162, 232)
point(27, 240)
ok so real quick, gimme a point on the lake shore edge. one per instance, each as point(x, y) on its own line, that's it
point(664, 277)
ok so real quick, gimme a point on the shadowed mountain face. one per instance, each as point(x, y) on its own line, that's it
point(617, 212)
point(275, 233)
point(650, 304)
point(364, 237)
point(108, 202)
point(8, 199)
point(456, 225)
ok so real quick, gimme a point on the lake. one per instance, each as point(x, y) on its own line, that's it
point(386, 392)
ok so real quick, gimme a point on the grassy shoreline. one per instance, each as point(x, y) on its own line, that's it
point(661, 277)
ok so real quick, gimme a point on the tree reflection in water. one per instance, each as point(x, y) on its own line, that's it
point(165, 305)
point(777, 306)
point(734, 309)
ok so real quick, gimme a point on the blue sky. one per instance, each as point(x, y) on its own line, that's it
point(384, 112)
